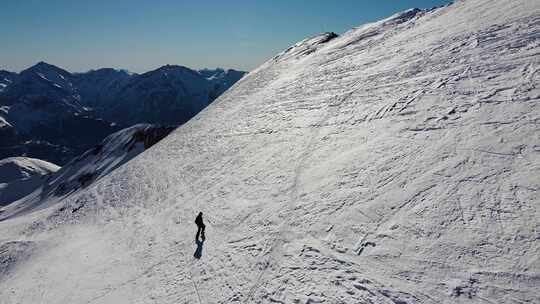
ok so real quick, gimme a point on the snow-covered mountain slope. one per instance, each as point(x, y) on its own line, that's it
point(13, 168)
point(397, 163)
point(19, 176)
point(115, 150)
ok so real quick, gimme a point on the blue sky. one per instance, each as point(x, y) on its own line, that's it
point(143, 35)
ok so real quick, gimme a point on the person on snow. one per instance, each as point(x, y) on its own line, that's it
point(200, 226)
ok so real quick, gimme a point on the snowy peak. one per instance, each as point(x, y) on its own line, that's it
point(14, 168)
point(46, 68)
point(54, 75)
point(306, 46)
point(44, 84)
point(402, 16)
point(19, 176)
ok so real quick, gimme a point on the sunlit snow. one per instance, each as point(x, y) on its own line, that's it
point(396, 163)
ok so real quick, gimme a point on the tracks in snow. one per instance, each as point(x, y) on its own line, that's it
point(275, 246)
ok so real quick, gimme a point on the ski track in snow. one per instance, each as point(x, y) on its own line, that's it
point(397, 163)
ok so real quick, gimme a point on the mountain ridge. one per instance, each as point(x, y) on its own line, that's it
point(62, 114)
point(80, 172)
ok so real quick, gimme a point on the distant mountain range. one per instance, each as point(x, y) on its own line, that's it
point(49, 113)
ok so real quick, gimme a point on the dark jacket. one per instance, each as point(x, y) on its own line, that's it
point(199, 221)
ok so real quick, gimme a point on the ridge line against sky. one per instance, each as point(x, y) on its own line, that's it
point(140, 36)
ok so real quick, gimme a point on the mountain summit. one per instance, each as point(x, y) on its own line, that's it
point(396, 163)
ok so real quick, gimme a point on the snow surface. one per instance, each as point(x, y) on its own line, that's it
point(13, 168)
point(19, 176)
point(397, 163)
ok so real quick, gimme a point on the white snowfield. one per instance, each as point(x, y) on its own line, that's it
point(397, 163)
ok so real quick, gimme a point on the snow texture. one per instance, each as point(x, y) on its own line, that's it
point(397, 163)
point(19, 176)
point(14, 168)
point(81, 172)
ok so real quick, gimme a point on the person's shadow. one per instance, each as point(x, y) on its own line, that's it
point(198, 251)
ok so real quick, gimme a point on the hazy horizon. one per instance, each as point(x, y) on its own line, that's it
point(140, 36)
point(119, 68)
